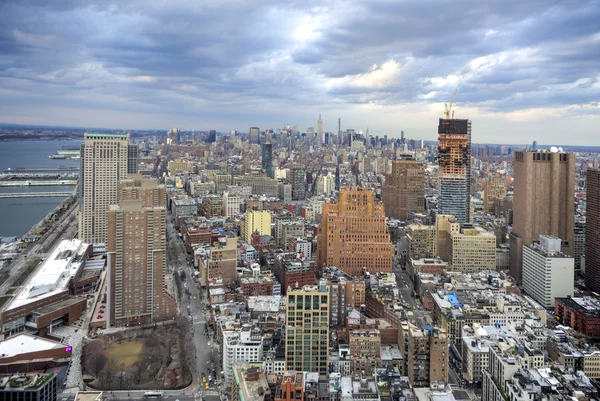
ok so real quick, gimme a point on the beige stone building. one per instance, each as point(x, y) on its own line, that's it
point(180, 165)
point(472, 250)
point(221, 262)
point(105, 160)
point(493, 189)
point(365, 350)
point(421, 241)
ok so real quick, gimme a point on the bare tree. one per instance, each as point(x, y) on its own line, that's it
point(177, 280)
point(93, 348)
point(111, 371)
point(190, 354)
point(121, 375)
point(184, 325)
point(135, 372)
point(96, 362)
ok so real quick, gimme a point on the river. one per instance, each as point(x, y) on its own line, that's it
point(18, 215)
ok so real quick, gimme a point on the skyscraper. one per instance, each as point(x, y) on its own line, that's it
point(105, 160)
point(592, 231)
point(212, 136)
point(307, 328)
point(320, 130)
point(132, 158)
point(354, 235)
point(267, 159)
point(297, 179)
point(404, 189)
point(454, 155)
point(174, 136)
point(254, 135)
point(136, 246)
point(544, 192)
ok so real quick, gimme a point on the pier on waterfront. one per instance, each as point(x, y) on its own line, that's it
point(36, 194)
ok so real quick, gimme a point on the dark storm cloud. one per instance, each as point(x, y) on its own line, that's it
point(194, 58)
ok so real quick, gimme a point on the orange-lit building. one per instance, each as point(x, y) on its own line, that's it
point(454, 155)
point(354, 234)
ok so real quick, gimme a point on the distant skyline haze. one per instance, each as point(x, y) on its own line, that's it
point(524, 70)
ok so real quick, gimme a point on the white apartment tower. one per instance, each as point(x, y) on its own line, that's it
point(231, 204)
point(244, 345)
point(547, 272)
point(105, 160)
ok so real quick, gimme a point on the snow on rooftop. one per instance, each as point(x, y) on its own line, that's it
point(53, 275)
point(24, 343)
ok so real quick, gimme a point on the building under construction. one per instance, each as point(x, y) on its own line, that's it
point(454, 156)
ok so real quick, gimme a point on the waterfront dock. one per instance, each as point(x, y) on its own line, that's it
point(36, 194)
point(37, 183)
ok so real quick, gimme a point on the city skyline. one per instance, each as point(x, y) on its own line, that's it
point(523, 71)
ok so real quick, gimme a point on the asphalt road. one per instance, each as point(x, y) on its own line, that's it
point(207, 356)
point(405, 284)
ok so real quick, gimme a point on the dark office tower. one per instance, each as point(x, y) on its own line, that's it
point(267, 159)
point(544, 192)
point(132, 158)
point(592, 231)
point(212, 136)
point(404, 189)
point(254, 135)
point(297, 176)
point(454, 156)
point(534, 145)
point(402, 137)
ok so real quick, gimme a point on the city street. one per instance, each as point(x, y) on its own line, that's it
point(194, 305)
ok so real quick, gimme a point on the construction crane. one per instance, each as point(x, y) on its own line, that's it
point(449, 107)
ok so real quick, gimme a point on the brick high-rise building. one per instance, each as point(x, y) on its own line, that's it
point(354, 235)
point(137, 289)
point(544, 193)
point(592, 231)
point(105, 160)
point(307, 328)
point(454, 154)
point(427, 355)
point(404, 189)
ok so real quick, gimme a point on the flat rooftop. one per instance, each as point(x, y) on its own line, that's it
point(53, 274)
point(88, 396)
point(25, 343)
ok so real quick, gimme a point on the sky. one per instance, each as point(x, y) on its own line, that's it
point(524, 70)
